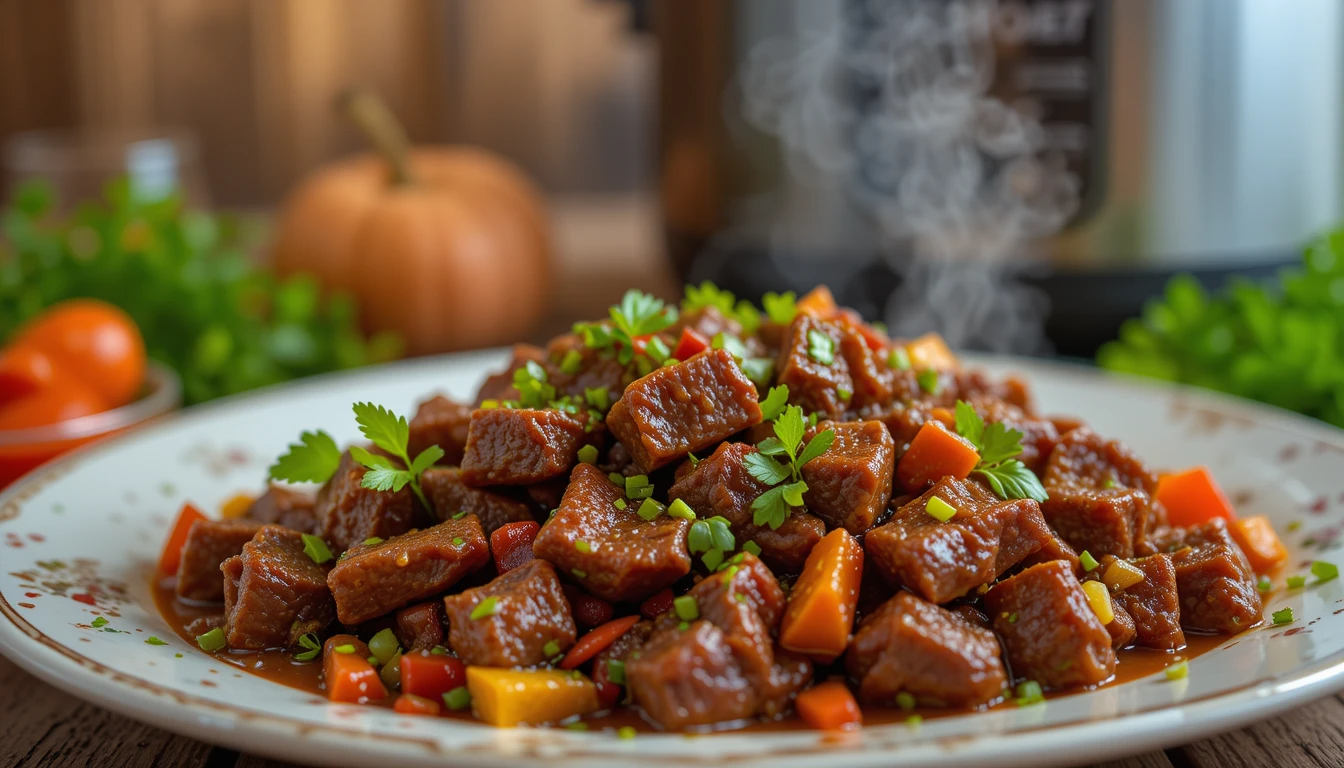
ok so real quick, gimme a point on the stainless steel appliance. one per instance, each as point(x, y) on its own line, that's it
point(921, 156)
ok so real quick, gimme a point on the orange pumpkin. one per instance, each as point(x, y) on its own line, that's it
point(446, 246)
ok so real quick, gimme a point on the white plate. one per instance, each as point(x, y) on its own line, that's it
point(78, 540)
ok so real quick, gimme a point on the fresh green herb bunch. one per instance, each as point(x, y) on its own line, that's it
point(768, 464)
point(185, 277)
point(1280, 342)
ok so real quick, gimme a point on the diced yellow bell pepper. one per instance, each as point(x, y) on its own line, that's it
point(1121, 575)
point(236, 506)
point(508, 697)
point(1099, 597)
point(930, 351)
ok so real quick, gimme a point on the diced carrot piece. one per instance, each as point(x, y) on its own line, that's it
point(171, 556)
point(935, 452)
point(1257, 539)
point(410, 704)
point(349, 676)
point(236, 506)
point(829, 707)
point(592, 643)
point(930, 351)
point(1193, 497)
point(511, 544)
point(821, 605)
point(818, 302)
point(431, 675)
point(692, 342)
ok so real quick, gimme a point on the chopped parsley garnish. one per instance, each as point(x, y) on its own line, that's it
point(638, 314)
point(774, 402)
point(534, 389)
point(686, 608)
point(820, 347)
point(708, 294)
point(1297, 582)
point(724, 340)
point(752, 547)
point(998, 446)
point(570, 363)
point(98, 623)
point(486, 607)
point(928, 380)
point(152, 640)
point(457, 699)
point(458, 541)
point(316, 549)
point(773, 507)
point(1263, 585)
point(311, 648)
point(898, 359)
point(211, 641)
point(1284, 616)
point(311, 460)
point(1324, 571)
point(780, 307)
point(598, 397)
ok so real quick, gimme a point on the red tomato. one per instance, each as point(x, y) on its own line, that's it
point(431, 675)
point(691, 343)
point(61, 399)
point(511, 545)
point(93, 342)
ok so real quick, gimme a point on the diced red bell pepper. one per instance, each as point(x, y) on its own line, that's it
point(511, 544)
point(608, 694)
point(171, 556)
point(692, 342)
point(431, 675)
point(588, 611)
point(657, 604)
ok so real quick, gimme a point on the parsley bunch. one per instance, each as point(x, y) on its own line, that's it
point(773, 507)
point(708, 294)
point(315, 458)
point(998, 446)
point(638, 315)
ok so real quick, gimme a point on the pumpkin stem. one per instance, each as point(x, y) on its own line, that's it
point(380, 127)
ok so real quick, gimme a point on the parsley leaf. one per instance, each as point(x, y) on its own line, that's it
point(998, 445)
point(769, 508)
point(780, 308)
point(773, 506)
point(311, 460)
point(774, 402)
point(766, 469)
point(638, 314)
point(382, 427)
point(820, 347)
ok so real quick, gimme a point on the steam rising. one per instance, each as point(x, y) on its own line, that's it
point(896, 110)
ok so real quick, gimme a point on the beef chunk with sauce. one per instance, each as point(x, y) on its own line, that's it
point(349, 513)
point(1100, 495)
point(1121, 628)
point(1055, 549)
point(1050, 633)
point(420, 626)
point(614, 553)
point(1154, 603)
point(371, 580)
point(274, 593)
point(442, 422)
point(941, 561)
point(451, 496)
point(518, 446)
point(915, 647)
point(683, 407)
point(281, 506)
point(811, 364)
point(721, 485)
point(516, 616)
point(850, 484)
point(209, 543)
point(1214, 581)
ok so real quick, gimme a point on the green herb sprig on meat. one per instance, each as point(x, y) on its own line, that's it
point(773, 507)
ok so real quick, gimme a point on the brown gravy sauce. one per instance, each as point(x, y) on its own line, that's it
point(277, 667)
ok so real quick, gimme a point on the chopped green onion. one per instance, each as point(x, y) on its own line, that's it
point(1324, 571)
point(928, 380)
point(939, 510)
point(588, 454)
point(683, 626)
point(712, 558)
point(461, 515)
point(571, 362)
point(616, 671)
point(1284, 616)
point(729, 573)
point(686, 608)
point(1089, 562)
point(899, 359)
point(657, 349)
point(620, 504)
point(438, 650)
point(740, 597)
point(486, 607)
point(579, 573)
point(1264, 585)
point(1029, 692)
point(384, 645)
point(1177, 671)
point(679, 508)
point(1294, 526)
point(577, 725)
point(369, 542)
point(598, 397)
point(625, 732)
point(843, 394)
point(583, 547)
point(617, 478)
point(345, 648)
point(457, 699)
point(212, 641)
point(489, 405)
point(1012, 617)
point(1109, 484)
point(312, 646)
point(752, 547)
point(373, 661)
point(316, 549)
point(391, 672)
point(905, 700)
point(98, 623)
point(638, 487)
point(551, 649)
point(913, 721)
point(699, 538)
point(650, 509)
point(458, 541)
point(152, 640)
point(1297, 582)
point(820, 347)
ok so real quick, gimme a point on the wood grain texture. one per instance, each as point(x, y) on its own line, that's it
point(1311, 737)
point(1150, 760)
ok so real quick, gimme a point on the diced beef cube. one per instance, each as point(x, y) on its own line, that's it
point(209, 543)
point(517, 446)
point(528, 610)
point(874, 380)
point(1100, 495)
point(972, 385)
point(622, 649)
point(721, 485)
point(1050, 633)
point(371, 580)
point(349, 513)
point(1214, 581)
point(500, 385)
point(1121, 628)
point(1055, 549)
point(970, 614)
point(941, 561)
point(594, 370)
point(281, 506)
point(614, 553)
point(274, 593)
point(1154, 603)
point(684, 407)
point(420, 626)
point(1084, 459)
point(442, 422)
point(911, 646)
point(849, 485)
point(451, 496)
point(816, 381)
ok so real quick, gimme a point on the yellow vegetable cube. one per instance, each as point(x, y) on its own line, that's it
point(930, 351)
point(1121, 575)
point(510, 697)
point(1099, 597)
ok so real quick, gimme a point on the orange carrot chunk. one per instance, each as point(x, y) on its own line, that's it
point(829, 707)
point(820, 613)
point(410, 704)
point(935, 452)
point(818, 302)
point(171, 556)
point(1257, 539)
point(349, 677)
point(595, 641)
point(1192, 498)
